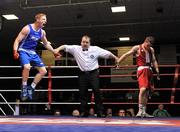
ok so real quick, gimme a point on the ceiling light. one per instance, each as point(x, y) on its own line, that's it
point(124, 38)
point(10, 17)
point(118, 9)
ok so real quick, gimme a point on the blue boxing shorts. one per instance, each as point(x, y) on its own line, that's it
point(30, 58)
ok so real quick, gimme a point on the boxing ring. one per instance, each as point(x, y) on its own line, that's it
point(47, 123)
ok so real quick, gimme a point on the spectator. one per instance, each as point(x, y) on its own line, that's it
point(47, 109)
point(91, 112)
point(121, 113)
point(109, 112)
point(75, 113)
point(57, 112)
point(161, 112)
point(129, 96)
point(17, 109)
point(130, 112)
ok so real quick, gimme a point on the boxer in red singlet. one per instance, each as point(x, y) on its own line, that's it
point(145, 58)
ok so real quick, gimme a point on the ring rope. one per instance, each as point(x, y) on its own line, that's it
point(49, 86)
point(176, 76)
point(3, 111)
point(7, 103)
point(77, 103)
point(101, 76)
point(76, 90)
point(110, 66)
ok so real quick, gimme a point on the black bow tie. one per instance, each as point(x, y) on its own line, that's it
point(84, 49)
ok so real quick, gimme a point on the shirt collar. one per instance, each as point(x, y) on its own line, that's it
point(85, 49)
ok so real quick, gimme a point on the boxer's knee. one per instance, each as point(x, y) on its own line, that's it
point(142, 92)
point(42, 71)
point(27, 67)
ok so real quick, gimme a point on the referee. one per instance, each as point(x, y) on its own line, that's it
point(86, 57)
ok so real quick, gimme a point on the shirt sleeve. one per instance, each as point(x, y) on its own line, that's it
point(167, 114)
point(155, 113)
point(70, 48)
point(103, 53)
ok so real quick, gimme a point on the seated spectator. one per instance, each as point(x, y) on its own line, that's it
point(47, 109)
point(130, 112)
point(161, 112)
point(17, 108)
point(75, 113)
point(109, 112)
point(121, 113)
point(57, 113)
point(91, 112)
point(129, 96)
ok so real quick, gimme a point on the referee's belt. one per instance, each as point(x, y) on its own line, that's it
point(88, 72)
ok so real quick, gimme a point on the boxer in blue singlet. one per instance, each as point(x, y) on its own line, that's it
point(25, 49)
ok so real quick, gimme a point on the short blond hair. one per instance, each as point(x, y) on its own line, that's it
point(39, 15)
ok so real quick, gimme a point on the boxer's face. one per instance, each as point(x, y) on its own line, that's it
point(147, 45)
point(42, 21)
point(85, 42)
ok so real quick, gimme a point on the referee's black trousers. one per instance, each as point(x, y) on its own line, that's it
point(90, 80)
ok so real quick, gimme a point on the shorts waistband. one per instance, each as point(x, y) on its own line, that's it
point(27, 50)
point(143, 67)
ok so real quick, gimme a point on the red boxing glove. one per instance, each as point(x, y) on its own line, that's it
point(16, 55)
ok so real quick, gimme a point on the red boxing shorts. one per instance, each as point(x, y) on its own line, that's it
point(145, 77)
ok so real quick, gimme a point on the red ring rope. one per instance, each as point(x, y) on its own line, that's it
point(176, 75)
point(133, 89)
point(134, 66)
point(49, 85)
point(154, 103)
point(92, 100)
point(131, 75)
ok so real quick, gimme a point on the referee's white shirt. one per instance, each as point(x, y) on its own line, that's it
point(87, 60)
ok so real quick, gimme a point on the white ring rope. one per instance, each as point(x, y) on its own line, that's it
point(38, 103)
point(78, 103)
point(7, 103)
point(2, 111)
point(76, 90)
point(106, 66)
point(44, 90)
point(56, 77)
point(53, 67)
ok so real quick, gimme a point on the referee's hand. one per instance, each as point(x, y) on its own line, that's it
point(57, 55)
